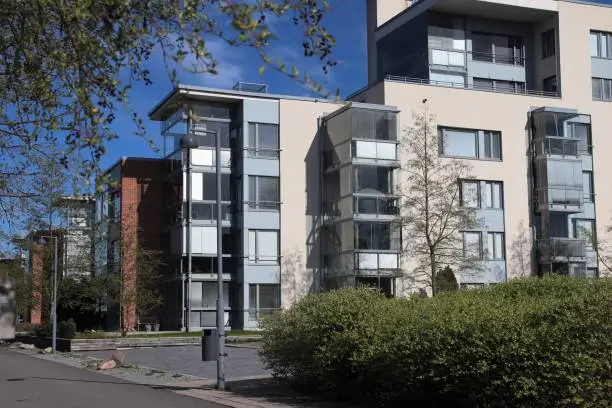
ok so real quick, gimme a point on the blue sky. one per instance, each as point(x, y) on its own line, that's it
point(346, 21)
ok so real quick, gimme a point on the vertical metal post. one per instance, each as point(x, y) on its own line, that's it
point(187, 303)
point(220, 302)
point(54, 318)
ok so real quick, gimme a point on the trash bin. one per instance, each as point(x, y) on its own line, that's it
point(210, 347)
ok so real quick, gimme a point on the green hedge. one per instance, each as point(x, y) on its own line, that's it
point(528, 343)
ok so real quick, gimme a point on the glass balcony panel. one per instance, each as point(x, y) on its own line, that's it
point(562, 248)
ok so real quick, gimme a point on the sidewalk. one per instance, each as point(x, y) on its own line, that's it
point(245, 392)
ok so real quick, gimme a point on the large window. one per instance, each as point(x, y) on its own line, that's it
point(204, 187)
point(548, 43)
point(472, 245)
point(602, 89)
point(206, 133)
point(495, 245)
point(467, 143)
point(585, 229)
point(263, 140)
point(495, 48)
point(375, 236)
point(263, 300)
point(373, 180)
point(264, 193)
point(204, 294)
point(601, 44)
point(470, 193)
point(263, 247)
point(494, 194)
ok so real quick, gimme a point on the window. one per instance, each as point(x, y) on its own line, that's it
point(459, 142)
point(204, 187)
point(373, 180)
point(205, 133)
point(263, 140)
point(374, 236)
point(581, 131)
point(264, 193)
point(495, 48)
point(602, 89)
point(585, 229)
point(495, 244)
point(204, 294)
point(470, 194)
point(467, 143)
point(499, 85)
point(587, 185)
point(472, 245)
point(550, 84)
point(263, 247)
point(548, 43)
point(601, 44)
point(492, 145)
point(494, 195)
point(263, 300)
point(446, 79)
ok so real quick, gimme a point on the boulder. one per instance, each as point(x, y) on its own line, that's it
point(119, 357)
point(107, 365)
point(47, 350)
point(27, 346)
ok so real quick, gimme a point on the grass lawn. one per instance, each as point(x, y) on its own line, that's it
point(102, 335)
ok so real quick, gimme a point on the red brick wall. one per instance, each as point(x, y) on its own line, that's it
point(37, 262)
point(141, 224)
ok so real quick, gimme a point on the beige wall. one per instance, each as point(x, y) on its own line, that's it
point(300, 198)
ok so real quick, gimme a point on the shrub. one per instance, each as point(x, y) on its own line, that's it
point(66, 329)
point(528, 343)
point(445, 280)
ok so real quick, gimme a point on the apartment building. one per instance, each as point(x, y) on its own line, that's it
point(520, 90)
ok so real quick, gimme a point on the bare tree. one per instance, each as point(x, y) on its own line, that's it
point(432, 216)
point(520, 253)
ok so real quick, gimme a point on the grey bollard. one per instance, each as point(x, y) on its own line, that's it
point(210, 346)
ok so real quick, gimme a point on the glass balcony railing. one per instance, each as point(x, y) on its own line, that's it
point(376, 263)
point(558, 146)
point(375, 205)
point(207, 210)
point(567, 249)
point(568, 198)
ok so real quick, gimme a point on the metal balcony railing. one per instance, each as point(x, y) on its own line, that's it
point(562, 249)
point(558, 146)
point(262, 152)
point(258, 314)
point(514, 90)
point(458, 58)
point(264, 205)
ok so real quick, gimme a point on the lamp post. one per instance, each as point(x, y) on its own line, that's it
point(189, 142)
point(54, 301)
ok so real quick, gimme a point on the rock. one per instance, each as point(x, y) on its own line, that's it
point(47, 350)
point(107, 365)
point(119, 357)
point(27, 346)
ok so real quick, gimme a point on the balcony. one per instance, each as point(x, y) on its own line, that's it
point(557, 146)
point(458, 58)
point(207, 210)
point(376, 263)
point(465, 85)
point(561, 250)
point(563, 198)
point(375, 205)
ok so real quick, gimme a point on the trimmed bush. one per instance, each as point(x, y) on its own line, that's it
point(528, 343)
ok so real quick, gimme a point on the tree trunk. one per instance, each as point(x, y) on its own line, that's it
point(432, 263)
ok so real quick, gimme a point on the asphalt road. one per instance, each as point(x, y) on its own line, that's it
point(241, 361)
point(30, 382)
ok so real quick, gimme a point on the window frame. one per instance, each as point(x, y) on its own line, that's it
point(600, 36)
point(479, 154)
point(256, 309)
point(491, 183)
point(604, 83)
point(256, 150)
point(255, 203)
point(590, 197)
point(253, 255)
point(462, 203)
point(480, 246)
point(491, 238)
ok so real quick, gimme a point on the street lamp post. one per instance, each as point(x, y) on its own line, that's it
point(189, 142)
point(54, 301)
